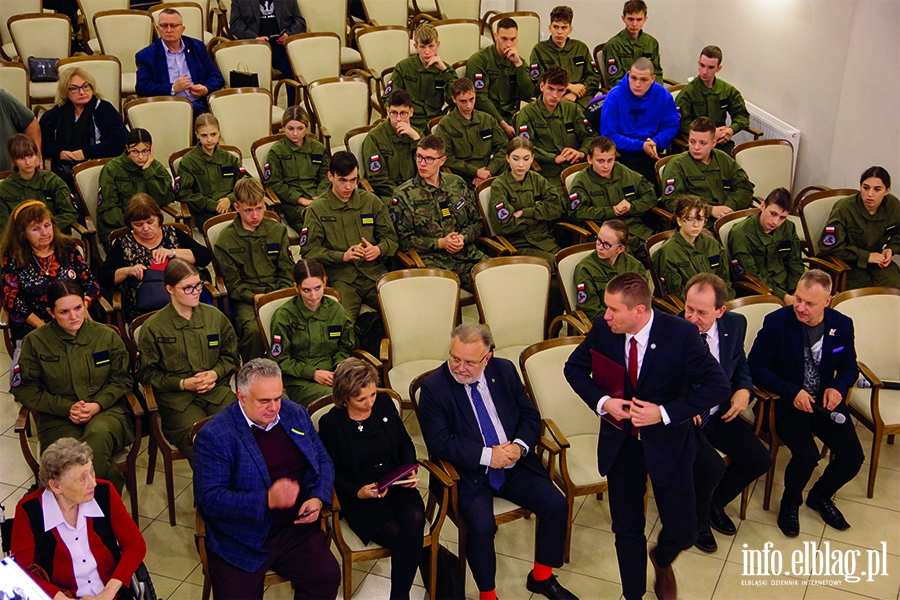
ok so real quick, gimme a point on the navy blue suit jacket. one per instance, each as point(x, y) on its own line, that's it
point(678, 372)
point(450, 427)
point(153, 70)
point(231, 481)
point(777, 362)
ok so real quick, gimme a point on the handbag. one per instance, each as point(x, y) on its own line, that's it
point(42, 69)
point(450, 584)
point(151, 291)
point(242, 77)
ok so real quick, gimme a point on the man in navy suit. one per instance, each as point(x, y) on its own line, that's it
point(670, 378)
point(176, 65)
point(474, 414)
point(722, 426)
point(805, 354)
point(261, 476)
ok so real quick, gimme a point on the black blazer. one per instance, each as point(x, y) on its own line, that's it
point(244, 21)
point(678, 372)
point(776, 359)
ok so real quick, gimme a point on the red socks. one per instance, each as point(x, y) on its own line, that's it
point(491, 595)
point(541, 572)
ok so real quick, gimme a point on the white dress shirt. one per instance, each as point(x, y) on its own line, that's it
point(251, 424)
point(712, 340)
point(84, 565)
point(492, 413)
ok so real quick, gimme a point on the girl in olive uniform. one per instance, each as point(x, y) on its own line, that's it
point(206, 174)
point(297, 167)
point(187, 353)
point(311, 335)
point(74, 372)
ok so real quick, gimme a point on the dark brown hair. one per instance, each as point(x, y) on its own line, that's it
point(20, 146)
point(350, 377)
point(709, 280)
point(633, 288)
point(178, 270)
point(602, 143)
point(308, 267)
point(704, 125)
point(140, 208)
point(21, 219)
point(561, 14)
point(556, 76)
point(60, 288)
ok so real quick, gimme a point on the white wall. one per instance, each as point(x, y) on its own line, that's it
point(828, 67)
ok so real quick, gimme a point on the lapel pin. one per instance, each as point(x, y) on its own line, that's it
point(653, 346)
point(385, 419)
point(831, 332)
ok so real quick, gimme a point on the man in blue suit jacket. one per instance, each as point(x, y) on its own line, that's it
point(261, 477)
point(722, 427)
point(176, 65)
point(474, 414)
point(670, 378)
point(805, 354)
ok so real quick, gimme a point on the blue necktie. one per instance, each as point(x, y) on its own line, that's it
point(705, 415)
point(495, 476)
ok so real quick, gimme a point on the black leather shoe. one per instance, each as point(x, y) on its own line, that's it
point(830, 513)
point(789, 520)
point(721, 522)
point(706, 541)
point(549, 587)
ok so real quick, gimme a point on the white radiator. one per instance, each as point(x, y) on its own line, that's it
point(772, 128)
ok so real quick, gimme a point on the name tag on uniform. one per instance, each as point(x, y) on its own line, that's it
point(47, 358)
point(48, 194)
point(368, 219)
point(570, 127)
point(714, 261)
point(723, 104)
point(855, 230)
point(327, 219)
point(227, 171)
point(445, 210)
point(212, 340)
point(628, 190)
point(334, 332)
point(165, 340)
point(236, 250)
point(683, 264)
point(696, 178)
point(316, 159)
point(726, 184)
point(486, 134)
point(889, 230)
point(784, 246)
point(579, 61)
point(101, 358)
point(538, 197)
point(273, 248)
point(459, 205)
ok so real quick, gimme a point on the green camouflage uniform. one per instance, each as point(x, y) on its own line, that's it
point(499, 84)
point(723, 99)
point(203, 179)
point(120, 179)
point(293, 171)
point(389, 159)
point(574, 57)
point(551, 132)
point(774, 258)
point(622, 50)
point(591, 276)
point(45, 186)
point(677, 261)
point(720, 183)
point(472, 144)
point(541, 205)
point(429, 88)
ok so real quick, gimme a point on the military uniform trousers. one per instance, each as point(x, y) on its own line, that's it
point(176, 424)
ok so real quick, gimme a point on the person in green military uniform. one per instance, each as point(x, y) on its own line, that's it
point(610, 190)
point(389, 148)
point(29, 182)
point(690, 250)
point(253, 257)
point(768, 247)
point(556, 127)
point(349, 230)
point(708, 173)
point(296, 168)
point(436, 215)
point(207, 174)
point(595, 270)
point(473, 140)
point(863, 230)
point(708, 96)
point(124, 176)
point(631, 43)
point(75, 373)
point(311, 335)
point(500, 76)
point(573, 55)
point(524, 204)
point(188, 351)
point(426, 77)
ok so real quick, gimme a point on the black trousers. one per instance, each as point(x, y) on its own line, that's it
point(403, 535)
point(643, 164)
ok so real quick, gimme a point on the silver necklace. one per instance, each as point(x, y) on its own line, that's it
point(359, 425)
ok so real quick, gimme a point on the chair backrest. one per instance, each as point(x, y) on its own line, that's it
point(87, 182)
point(89, 8)
point(260, 151)
point(386, 12)
point(322, 406)
point(768, 163)
point(383, 47)
point(266, 305)
point(512, 293)
point(169, 119)
point(10, 8)
point(660, 168)
point(754, 309)
point(340, 104)
point(14, 80)
point(41, 35)
point(254, 56)
point(322, 17)
point(814, 212)
point(419, 309)
point(568, 175)
point(460, 39)
point(876, 321)
point(542, 366)
point(106, 70)
point(724, 224)
point(193, 17)
point(529, 29)
point(353, 140)
point(244, 114)
point(205, 5)
point(461, 9)
point(483, 197)
point(676, 89)
point(314, 56)
point(122, 33)
point(566, 261)
point(652, 246)
point(427, 7)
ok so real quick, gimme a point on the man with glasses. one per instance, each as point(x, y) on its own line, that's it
point(475, 414)
point(435, 214)
point(389, 147)
point(176, 64)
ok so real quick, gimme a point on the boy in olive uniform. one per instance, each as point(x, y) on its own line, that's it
point(389, 148)
point(708, 173)
point(630, 44)
point(767, 246)
point(610, 190)
point(253, 257)
point(573, 55)
point(555, 127)
point(473, 140)
point(120, 179)
point(501, 77)
point(708, 96)
point(436, 215)
point(349, 231)
point(203, 180)
point(426, 77)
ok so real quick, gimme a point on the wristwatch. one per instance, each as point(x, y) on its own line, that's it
point(522, 448)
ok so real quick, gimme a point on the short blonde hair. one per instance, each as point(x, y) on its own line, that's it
point(426, 33)
point(60, 456)
point(249, 192)
point(62, 88)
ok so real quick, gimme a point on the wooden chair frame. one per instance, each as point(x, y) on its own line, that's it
point(573, 317)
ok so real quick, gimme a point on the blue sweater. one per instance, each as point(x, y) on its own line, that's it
point(628, 120)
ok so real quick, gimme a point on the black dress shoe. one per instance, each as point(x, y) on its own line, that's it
point(721, 522)
point(549, 587)
point(830, 513)
point(789, 520)
point(706, 541)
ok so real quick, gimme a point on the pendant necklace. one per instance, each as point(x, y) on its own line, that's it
point(359, 425)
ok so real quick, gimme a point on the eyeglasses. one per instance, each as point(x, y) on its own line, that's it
point(455, 362)
point(169, 25)
point(190, 290)
point(607, 245)
point(398, 115)
point(426, 160)
point(84, 87)
point(695, 220)
point(139, 152)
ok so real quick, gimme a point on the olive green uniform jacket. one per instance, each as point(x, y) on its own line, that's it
point(774, 258)
point(622, 50)
point(574, 57)
point(254, 262)
point(293, 171)
point(852, 233)
point(540, 204)
point(389, 159)
point(430, 88)
point(720, 183)
point(677, 261)
point(472, 144)
point(203, 179)
point(499, 84)
point(45, 186)
point(551, 132)
point(304, 341)
point(723, 99)
point(592, 274)
point(120, 179)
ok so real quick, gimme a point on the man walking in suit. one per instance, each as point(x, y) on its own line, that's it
point(722, 426)
point(805, 354)
point(670, 377)
point(474, 414)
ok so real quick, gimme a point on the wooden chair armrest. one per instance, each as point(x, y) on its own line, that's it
point(870, 376)
point(450, 470)
point(117, 301)
point(81, 229)
point(582, 233)
point(436, 472)
point(556, 433)
point(272, 200)
point(361, 73)
point(335, 505)
point(199, 526)
point(670, 82)
point(752, 284)
point(826, 264)
point(368, 357)
point(495, 247)
point(294, 84)
point(384, 350)
point(21, 420)
point(418, 20)
point(105, 306)
point(572, 321)
point(410, 259)
point(4, 319)
point(366, 185)
point(672, 304)
point(764, 394)
point(326, 137)
point(591, 226)
point(583, 317)
point(661, 212)
point(680, 143)
point(136, 409)
point(150, 399)
point(485, 19)
point(756, 133)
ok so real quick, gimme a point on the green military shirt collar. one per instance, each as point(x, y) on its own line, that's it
point(242, 232)
point(880, 213)
point(129, 165)
point(566, 49)
point(545, 112)
point(681, 241)
point(306, 314)
point(332, 202)
point(66, 337)
point(217, 155)
point(179, 322)
point(306, 148)
point(501, 60)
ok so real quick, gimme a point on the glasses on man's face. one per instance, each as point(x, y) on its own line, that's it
point(456, 362)
point(169, 25)
point(398, 115)
point(606, 245)
point(426, 160)
point(190, 290)
point(696, 220)
point(84, 87)
point(139, 152)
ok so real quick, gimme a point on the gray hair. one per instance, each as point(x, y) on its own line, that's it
point(172, 11)
point(469, 334)
point(60, 456)
point(643, 64)
point(258, 368)
point(816, 277)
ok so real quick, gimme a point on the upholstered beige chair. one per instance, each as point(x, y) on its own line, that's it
point(123, 33)
point(169, 119)
point(14, 81)
point(245, 115)
point(331, 17)
point(10, 8)
point(106, 70)
point(193, 17)
point(339, 104)
point(768, 163)
point(87, 10)
point(382, 48)
point(574, 320)
point(253, 56)
point(41, 36)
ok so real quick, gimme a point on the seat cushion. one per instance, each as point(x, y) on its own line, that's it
point(581, 459)
point(888, 404)
point(502, 506)
point(356, 545)
point(9, 50)
point(349, 56)
point(43, 89)
point(94, 45)
point(128, 82)
point(402, 375)
point(511, 353)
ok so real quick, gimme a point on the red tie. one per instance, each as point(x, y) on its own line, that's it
point(633, 373)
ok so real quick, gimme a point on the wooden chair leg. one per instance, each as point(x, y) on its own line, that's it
point(570, 500)
point(877, 437)
point(348, 577)
point(770, 475)
point(891, 439)
point(745, 500)
point(170, 487)
point(207, 587)
point(131, 486)
point(461, 539)
point(152, 451)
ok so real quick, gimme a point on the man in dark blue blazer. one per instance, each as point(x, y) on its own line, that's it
point(261, 477)
point(474, 414)
point(805, 354)
point(722, 427)
point(176, 65)
point(670, 378)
